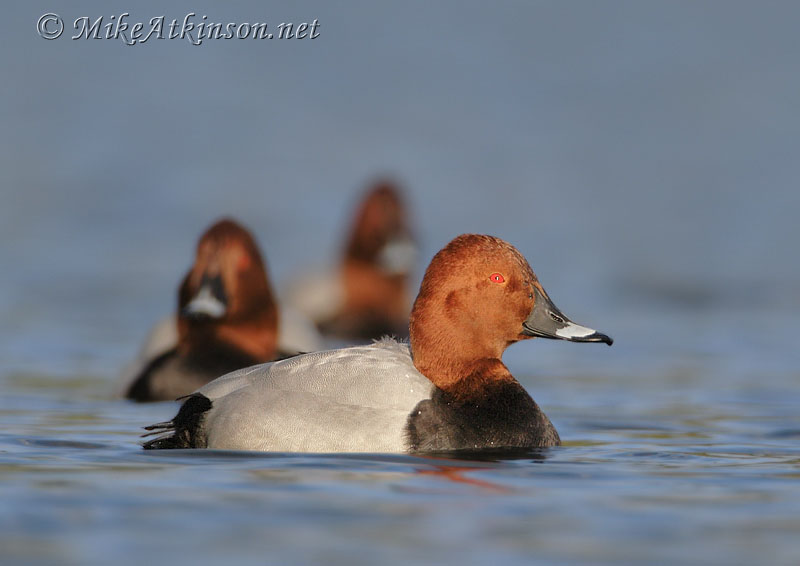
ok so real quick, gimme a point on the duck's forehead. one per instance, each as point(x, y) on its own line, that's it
point(213, 244)
point(226, 230)
point(521, 264)
point(476, 253)
point(383, 210)
point(494, 253)
point(227, 240)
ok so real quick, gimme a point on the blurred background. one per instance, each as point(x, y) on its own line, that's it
point(643, 157)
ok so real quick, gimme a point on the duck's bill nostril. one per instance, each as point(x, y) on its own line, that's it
point(546, 321)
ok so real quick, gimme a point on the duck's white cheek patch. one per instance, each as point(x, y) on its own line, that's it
point(573, 330)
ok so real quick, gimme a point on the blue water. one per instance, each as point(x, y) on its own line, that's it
point(642, 156)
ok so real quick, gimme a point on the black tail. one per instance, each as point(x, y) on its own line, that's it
point(183, 431)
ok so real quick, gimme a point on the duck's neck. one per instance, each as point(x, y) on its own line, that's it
point(462, 379)
point(369, 288)
point(450, 352)
point(257, 338)
point(257, 335)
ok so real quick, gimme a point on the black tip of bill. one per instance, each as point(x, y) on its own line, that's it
point(596, 337)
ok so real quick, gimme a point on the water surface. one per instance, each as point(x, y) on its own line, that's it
point(642, 156)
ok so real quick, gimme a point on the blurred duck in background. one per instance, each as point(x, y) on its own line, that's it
point(366, 296)
point(227, 319)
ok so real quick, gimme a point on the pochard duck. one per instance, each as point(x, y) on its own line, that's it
point(447, 390)
point(227, 319)
point(366, 295)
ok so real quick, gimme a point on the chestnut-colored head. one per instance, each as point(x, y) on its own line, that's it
point(478, 296)
point(379, 257)
point(226, 293)
point(379, 226)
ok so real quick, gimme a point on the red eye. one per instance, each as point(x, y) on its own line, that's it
point(497, 278)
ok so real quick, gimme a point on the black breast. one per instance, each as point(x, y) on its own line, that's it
point(504, 416)
point(172, 375)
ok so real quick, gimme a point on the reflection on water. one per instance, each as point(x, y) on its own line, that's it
point(677, 482)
